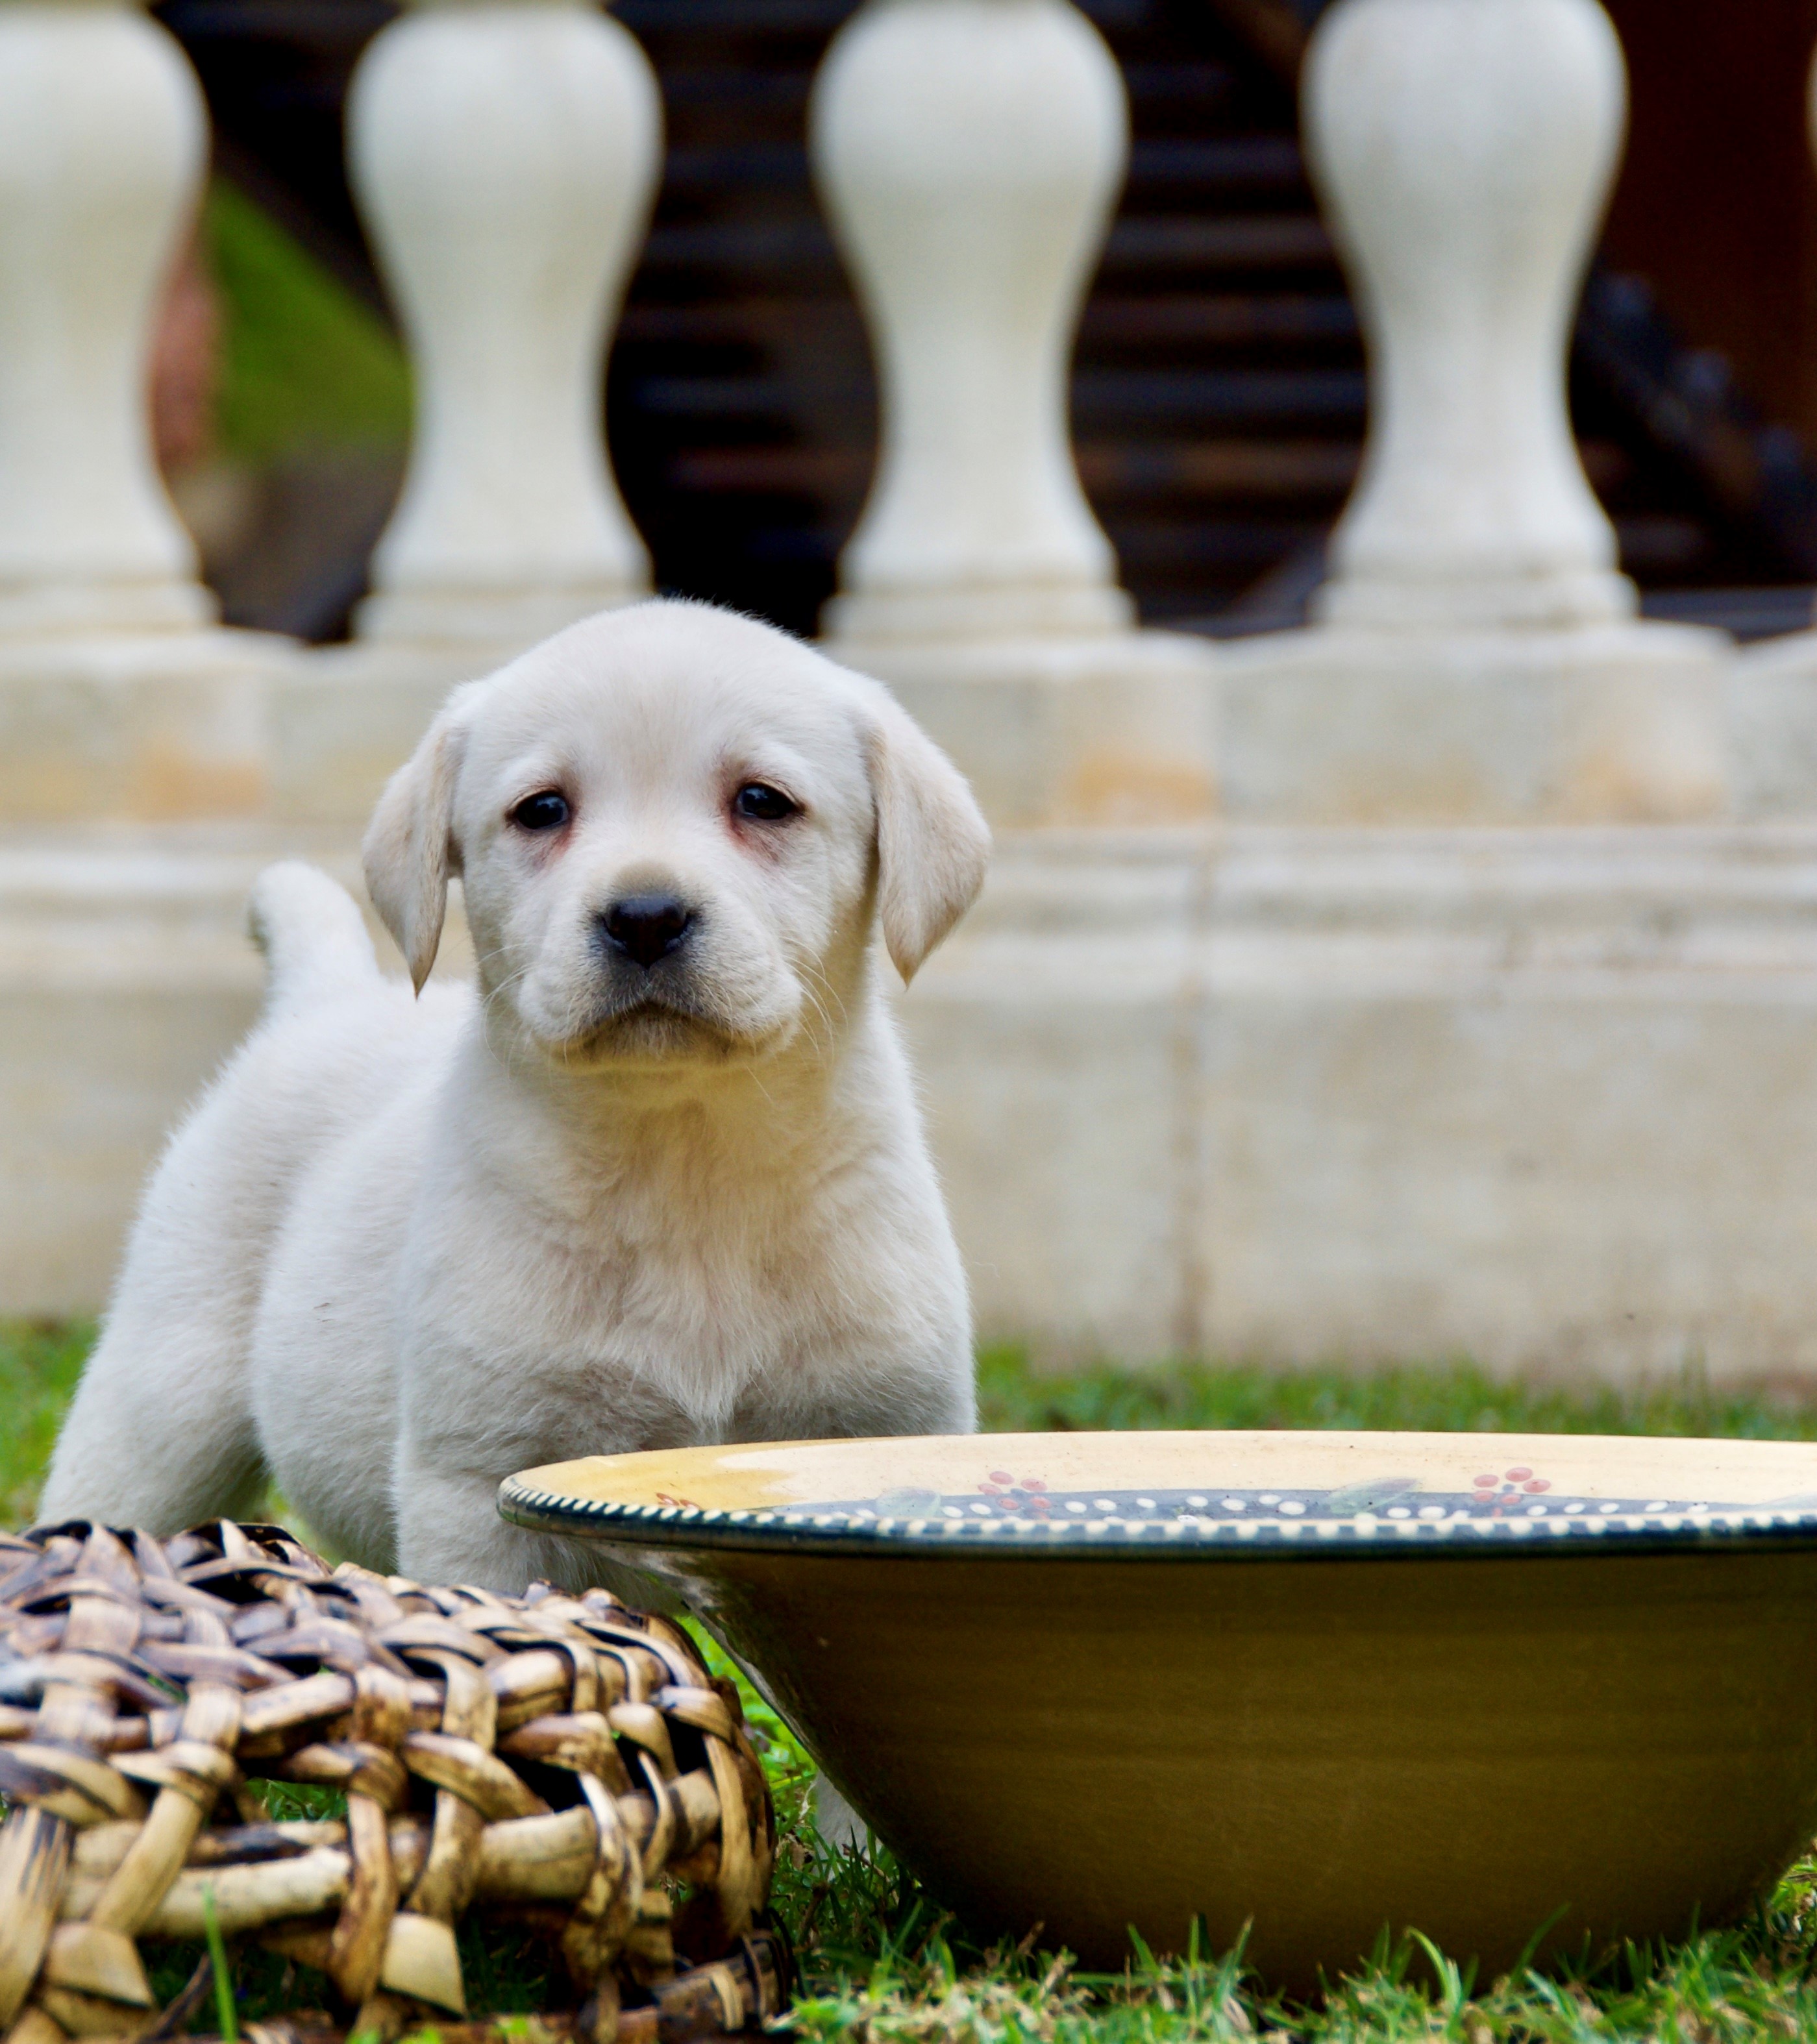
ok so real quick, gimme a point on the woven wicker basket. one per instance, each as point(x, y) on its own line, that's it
point(561, 1763)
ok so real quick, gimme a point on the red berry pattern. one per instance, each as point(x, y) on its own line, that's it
point(1495, 1496)
point(1025, 1499)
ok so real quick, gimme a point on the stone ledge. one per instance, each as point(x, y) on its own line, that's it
point(1114, 729)
point(156, 726)
point(346, 717)
point(1616, 722)
point(1772, 692)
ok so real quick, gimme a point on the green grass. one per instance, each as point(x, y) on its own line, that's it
point(39, 1365)
point(882, 1963)
point(1449, 1398)
point(305, 365)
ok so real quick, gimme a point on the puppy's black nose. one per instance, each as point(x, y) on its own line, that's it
point(646, 927)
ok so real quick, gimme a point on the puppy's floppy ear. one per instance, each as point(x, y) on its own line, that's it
point(932, 844)
point(410, 849)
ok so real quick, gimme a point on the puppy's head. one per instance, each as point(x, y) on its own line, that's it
point(675, 828)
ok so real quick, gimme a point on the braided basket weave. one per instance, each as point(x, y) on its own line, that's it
point(561, 1763)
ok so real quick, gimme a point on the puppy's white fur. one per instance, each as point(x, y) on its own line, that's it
point(406, 1246)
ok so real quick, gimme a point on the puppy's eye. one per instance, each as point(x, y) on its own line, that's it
point(543, 811)
point(759, 804)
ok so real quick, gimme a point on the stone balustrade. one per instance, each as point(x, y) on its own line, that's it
point(104, 138)
point(1475, 658)
point(505, 154)
point(1463, 155)
point(504, 157)
point(117, 694)
point(970, 153)
point(1326, 1001)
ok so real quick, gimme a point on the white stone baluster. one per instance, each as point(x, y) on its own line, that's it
point(1463, 150)
point(118, 696)
point(102, 142)
point(505, 154)
point(968, 153)
point(1478, 658)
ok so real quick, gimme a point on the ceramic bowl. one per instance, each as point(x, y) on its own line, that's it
point(1317, 1683)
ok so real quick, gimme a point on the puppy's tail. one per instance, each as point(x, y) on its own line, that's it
point(312, 936)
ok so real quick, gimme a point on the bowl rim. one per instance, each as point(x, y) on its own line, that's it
point(1343, 1527)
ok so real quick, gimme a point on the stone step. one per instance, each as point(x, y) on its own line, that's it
point(1547, 1097)
point(149, 906)
point(1731, 909)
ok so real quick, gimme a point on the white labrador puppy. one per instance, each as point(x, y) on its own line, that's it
point(659, 1179)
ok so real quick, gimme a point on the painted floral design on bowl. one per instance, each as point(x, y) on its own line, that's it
point(1030, 1494)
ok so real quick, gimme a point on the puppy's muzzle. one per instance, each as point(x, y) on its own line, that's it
point(646, 928)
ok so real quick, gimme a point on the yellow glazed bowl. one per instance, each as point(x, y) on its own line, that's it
point(1325, 1682)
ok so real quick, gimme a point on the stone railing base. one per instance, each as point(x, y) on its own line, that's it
point(1542, 1097)
point(1615, 722)
point(156, 726)
point(1111, 728)
point(1546, 1097)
